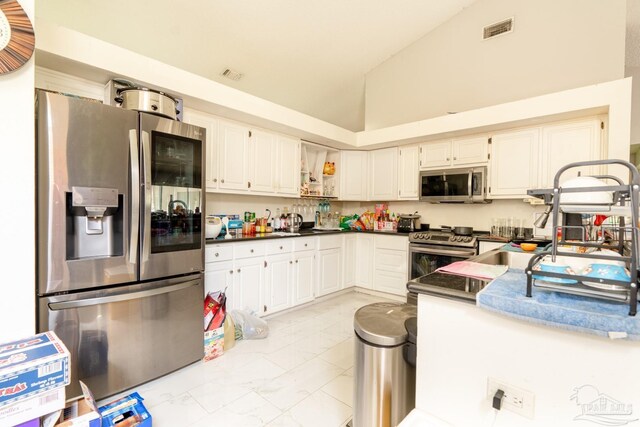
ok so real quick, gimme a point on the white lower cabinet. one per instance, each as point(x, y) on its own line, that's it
point(350, 257)
point(248, 284)
point(329, 271)
point(218, 276)
point(364, 261)
point(303, 277)
point(390, 261)
point(278, 283)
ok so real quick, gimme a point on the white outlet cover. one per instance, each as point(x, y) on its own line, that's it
point(512, 395)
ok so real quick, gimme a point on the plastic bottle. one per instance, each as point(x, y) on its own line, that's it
point(276, 220)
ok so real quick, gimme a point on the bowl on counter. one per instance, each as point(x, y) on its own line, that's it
point(559, 266)
point(528, 247)
point(607, 272)
point(212, 227)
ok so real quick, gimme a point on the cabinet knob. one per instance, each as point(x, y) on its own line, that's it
point(217, 254)
point(290, 262)
point(447, 159)
point(215, 179)
point(230, 271)
point(238, 270)
point(296, 261)
point(455, 158)
point(280, 247)
point(251, 251)
point(305, 245)
point(222, 180)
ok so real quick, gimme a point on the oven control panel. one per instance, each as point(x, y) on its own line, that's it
point(442, 238)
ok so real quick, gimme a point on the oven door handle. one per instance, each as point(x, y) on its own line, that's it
point(454, 252)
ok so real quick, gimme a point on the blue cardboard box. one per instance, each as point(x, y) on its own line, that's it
point(32, 366)
point(129, 408)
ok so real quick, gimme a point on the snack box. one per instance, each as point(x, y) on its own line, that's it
point(32, 423)
point(32, 366)
point(127, 411)
point(32, 408)
point(213, 344)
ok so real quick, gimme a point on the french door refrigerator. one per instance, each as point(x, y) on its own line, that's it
point(120, 240)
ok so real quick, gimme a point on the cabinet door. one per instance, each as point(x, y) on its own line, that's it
point(513, 168)
point(278, 283)
point(218, 276)
point(354, 176)
point(390, 271)
point(408, 161)
point(435, 154)
point(364, 267)
point(263, 154)
point(329, 271)
point(350, 262)
point(210, 123)
point(304, 277)
point(288, 172)
point(566, 143)
point(468, 151)
point(383, 170)
point(248, 284)
point(234, 156)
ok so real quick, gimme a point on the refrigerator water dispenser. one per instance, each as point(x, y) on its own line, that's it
point(94, 223)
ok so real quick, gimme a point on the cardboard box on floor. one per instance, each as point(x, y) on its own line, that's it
point(82, 412)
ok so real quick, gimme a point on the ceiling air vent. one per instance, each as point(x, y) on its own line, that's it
point(231, 74)
point(498, 28)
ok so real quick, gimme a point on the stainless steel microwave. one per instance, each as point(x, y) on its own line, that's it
point(468, 185)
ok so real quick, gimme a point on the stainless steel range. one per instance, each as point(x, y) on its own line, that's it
point(430, 250)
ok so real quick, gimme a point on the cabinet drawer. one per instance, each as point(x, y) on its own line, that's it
point(398, 243)
point(330, 242)
point(248, 250)
point(391, 260)
point(279, 246)
point(218, 253)
point(304, 244)
point(393, 283)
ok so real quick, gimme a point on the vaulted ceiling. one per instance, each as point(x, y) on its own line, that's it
point(311, 56)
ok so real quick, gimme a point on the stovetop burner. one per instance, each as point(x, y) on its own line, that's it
point(435, 237)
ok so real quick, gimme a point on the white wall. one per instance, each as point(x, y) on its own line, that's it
point(17, 251)
point(634, 72)
point(460, 346)
point(554, 46)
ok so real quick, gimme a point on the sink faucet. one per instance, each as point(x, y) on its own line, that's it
point(172, 203)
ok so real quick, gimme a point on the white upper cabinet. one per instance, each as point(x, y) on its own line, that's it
point(435, 154)
point(354, 176)
point(514, 163)
point(468, 151)
point(570, 142)
point(383, 172)
point(288, 166)
point(263, 152)
point(408, 169)
point(210, 123)
point(454, 153)
point(234, 156)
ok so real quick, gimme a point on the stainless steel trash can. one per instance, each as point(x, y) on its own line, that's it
point(385, 383)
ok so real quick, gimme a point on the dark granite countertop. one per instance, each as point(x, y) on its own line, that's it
point(303, 233)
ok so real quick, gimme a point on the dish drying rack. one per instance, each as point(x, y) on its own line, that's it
point(626, 197)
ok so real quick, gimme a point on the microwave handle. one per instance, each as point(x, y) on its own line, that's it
point(470, 184)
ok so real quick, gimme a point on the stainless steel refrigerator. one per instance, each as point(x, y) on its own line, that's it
point(120, 240)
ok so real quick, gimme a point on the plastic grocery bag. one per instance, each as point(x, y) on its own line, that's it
point(252, 326)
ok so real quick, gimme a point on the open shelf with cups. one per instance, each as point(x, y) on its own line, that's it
point(319, 171)
point(598, 261)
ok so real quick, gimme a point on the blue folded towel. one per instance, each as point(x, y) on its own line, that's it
point(506, 295)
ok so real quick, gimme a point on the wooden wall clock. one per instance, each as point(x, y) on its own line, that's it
point(17, 39)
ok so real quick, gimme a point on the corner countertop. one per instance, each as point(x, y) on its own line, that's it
point(303, 233)
point(506, 295)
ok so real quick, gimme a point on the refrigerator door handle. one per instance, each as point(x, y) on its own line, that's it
point(146, 182)
point(122, 297)
point(135, 196)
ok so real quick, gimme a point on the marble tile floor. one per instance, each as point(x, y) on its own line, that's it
point(301, 375)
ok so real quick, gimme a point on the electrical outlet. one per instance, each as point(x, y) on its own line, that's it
point(516, 400)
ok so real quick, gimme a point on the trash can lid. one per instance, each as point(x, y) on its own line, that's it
point(382, 323)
